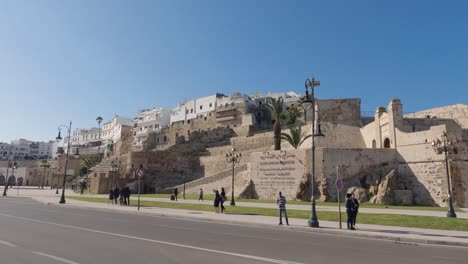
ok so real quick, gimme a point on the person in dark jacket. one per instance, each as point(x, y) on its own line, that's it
point(223, 199)
point(350, 211)
point(128, 195)
point(356, 209)
point(217, 201)
point(116, 194)
point(176, 192)
point(111, 197)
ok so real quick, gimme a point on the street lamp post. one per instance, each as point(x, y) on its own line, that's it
point(309, 103)
point(234, 158)
point(447, 146)
point(115, 164)
point(99, 120)
point(44, 165)
point(8, 167)
point(59, 138)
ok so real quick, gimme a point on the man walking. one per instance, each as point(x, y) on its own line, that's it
point(281, 202)
point(200, 195)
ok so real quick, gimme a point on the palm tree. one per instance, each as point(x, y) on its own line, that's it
point(276, 107)
point(296, 137)
point(44, 164)
point(301, 101)
point(294, 112)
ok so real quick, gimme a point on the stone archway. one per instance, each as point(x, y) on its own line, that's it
point(386, 143)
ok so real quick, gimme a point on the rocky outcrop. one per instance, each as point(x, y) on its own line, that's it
point(403, 197)
point(386, 189)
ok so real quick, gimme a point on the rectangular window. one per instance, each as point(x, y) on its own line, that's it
point(201, 107)
point(191, 110)
point(211, 105)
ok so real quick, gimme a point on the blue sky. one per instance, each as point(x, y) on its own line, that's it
point(75, 60)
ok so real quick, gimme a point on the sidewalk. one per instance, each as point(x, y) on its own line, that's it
point(397, 234)
point(47, 192)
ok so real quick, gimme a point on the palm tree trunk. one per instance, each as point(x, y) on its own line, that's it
point(277, 134)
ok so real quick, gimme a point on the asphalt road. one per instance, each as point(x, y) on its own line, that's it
point(35, 233)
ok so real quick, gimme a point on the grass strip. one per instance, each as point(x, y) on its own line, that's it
point(430, 222)
point(363, 205)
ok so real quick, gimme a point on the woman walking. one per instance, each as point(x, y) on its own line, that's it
point(217, 201)
point(223, 199)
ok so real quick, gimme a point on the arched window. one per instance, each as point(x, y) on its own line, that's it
point(386, 143)
point(374, 144)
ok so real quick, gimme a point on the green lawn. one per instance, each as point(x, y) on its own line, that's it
point(443, 223)
point(363, 205)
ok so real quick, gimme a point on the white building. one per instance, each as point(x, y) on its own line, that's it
point(88, 140)
point(149, 121)
point(190, 109)
point(27, 149)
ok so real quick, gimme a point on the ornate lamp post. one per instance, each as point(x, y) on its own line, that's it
point(233, 157)
point(99, 120)
point(309, 103)
point(13, 166)
point(115, 164)
point(10, 165)
point(447, 146)
point(59, 138)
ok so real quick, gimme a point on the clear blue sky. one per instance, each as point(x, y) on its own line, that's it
point(75, 60)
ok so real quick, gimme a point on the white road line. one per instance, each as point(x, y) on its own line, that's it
point(277, 261)
point(7, 243)
point(56, 258)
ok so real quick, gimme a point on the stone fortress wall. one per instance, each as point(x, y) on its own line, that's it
point(393, 146)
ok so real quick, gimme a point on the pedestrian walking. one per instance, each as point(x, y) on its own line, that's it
point(122, 196)
point(111, 196)
point(356, 209)
point(82, 188)
point(223, 199)
point(176, 192)
point(281, 202)
point(217, 201)
point(200, 195)
point(128, 195)
point(350, 212)
point(116, 194)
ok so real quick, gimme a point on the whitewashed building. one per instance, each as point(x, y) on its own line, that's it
point(149, 121)
point(190, 109)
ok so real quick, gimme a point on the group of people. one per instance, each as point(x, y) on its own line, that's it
point(352, 208)
point(219, 200)
point(122, 194)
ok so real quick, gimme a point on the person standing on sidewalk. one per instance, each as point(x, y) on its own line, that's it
point(356, 209)
point(111, 197)
point(200, 196)
point(281, 202)
point(350, 212)
point(223, 199)
point(176, 192)
point(116, 194)
point(129, 192)
point(217, 201)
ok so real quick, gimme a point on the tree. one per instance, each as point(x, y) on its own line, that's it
point(44, 164)
point(88, 161)
point(294, 112)
point(296, 137)
point(276, 107)
point(301, 101)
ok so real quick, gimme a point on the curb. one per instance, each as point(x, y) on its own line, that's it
point(322, 230)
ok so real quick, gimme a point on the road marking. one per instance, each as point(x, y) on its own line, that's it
point(7, 243)
point(270, 260)
point(56, 258)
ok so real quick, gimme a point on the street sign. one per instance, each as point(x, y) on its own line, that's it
point(140, 173)
point(339, 184)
